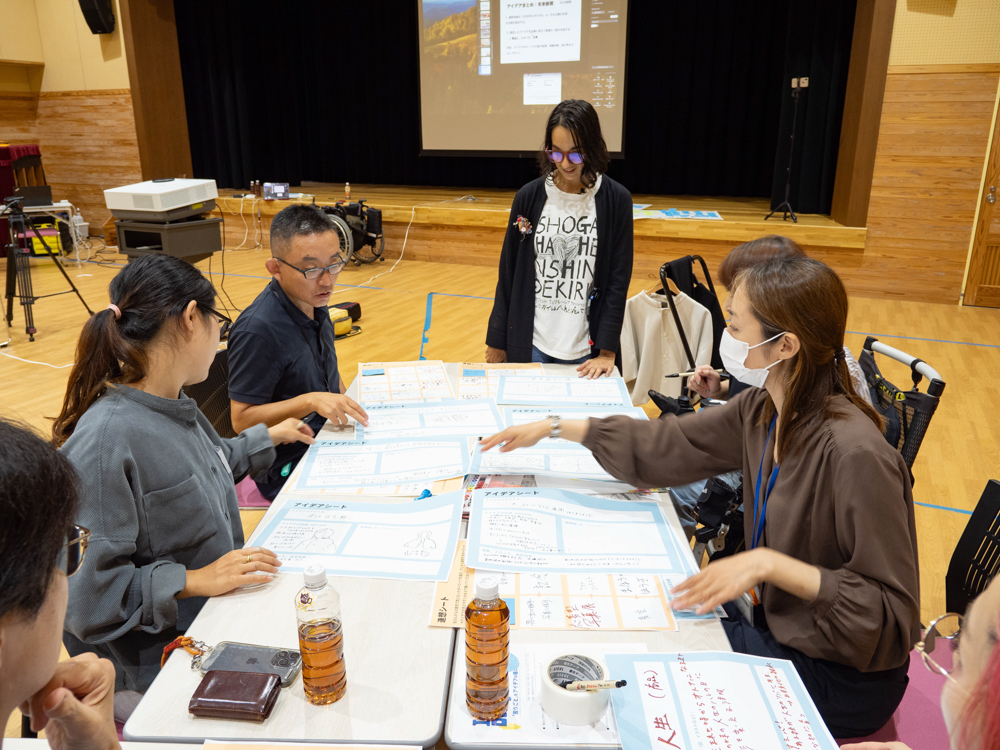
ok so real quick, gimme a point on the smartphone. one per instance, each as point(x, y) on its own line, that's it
point(246, 657)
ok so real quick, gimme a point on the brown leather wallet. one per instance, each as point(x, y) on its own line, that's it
point(249, 696)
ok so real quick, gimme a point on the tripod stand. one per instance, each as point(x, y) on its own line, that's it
point(19, 268)
point(786, 208)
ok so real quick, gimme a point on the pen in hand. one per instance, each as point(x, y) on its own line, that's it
point(688, 374)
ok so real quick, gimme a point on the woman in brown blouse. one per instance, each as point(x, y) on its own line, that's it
point(831, 543)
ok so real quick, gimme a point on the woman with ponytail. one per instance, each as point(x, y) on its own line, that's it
point(157, 482)
point(831, 560)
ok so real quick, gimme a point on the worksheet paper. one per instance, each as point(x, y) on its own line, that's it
point(714, 699)
point(610, 490)
point(482, 380)
point(331, 464)
point(423, 380)
point(525, 724)
point(544, 530)
point(549, 456)
point(553, 601)
point(477, 418)
point(409, 541)
point(518, 415)
point(482, 481)
point(556, 391)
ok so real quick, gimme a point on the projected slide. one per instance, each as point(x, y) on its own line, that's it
point(491, 70)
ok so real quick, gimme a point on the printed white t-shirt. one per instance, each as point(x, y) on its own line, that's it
point(565, 257)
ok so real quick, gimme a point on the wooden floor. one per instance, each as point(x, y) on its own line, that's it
point(960, 453)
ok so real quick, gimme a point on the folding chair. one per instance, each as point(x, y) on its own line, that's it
point(976, 559)
point(907, 414)
point(212, 395)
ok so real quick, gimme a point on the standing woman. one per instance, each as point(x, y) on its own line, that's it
point(157, 482)
point(566, 261)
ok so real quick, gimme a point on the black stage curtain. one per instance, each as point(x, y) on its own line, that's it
point(328, 92)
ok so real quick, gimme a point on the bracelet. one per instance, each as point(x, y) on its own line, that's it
point(555, 429)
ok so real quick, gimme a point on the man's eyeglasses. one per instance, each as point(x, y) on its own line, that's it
point(224, 323)
point(556, 156)
point(314, 273)
point(71, 555)
point(946, 629)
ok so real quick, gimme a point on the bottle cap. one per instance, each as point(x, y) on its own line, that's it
point(487, 588)
point(314, 574)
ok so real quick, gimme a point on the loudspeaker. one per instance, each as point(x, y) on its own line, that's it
point(99, 15)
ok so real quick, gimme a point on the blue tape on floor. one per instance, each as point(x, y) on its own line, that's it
point(915, 338)
point(944, 507)
point(427, 314)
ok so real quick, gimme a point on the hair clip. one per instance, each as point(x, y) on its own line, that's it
point(523, 225)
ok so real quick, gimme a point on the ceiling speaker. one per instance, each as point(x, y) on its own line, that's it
point(99, 15)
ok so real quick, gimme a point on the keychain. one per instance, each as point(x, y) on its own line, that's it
point(197, 649)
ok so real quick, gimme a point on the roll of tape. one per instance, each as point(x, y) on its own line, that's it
point(573, 708)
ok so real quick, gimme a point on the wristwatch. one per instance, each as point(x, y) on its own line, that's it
point(555, 430)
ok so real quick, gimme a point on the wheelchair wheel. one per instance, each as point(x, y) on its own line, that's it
point(346, 241)
point(369, 253)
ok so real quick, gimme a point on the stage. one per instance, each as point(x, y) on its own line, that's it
point(447, 229)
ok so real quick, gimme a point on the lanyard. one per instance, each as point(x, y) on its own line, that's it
point(759, 519)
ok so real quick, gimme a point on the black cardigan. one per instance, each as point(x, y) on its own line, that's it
point(512, 322)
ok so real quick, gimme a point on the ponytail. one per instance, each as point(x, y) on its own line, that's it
point(113, 346)
point(847, 387)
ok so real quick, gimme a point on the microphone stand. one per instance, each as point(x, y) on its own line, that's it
point(786, 207)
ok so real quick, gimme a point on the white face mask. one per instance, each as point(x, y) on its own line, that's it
point(734, 356)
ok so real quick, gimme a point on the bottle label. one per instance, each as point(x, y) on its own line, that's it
point(305, 601)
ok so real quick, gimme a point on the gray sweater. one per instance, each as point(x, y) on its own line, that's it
point(158, 496)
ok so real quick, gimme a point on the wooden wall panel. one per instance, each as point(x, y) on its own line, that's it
point(88, 144)
point(931, 149)
point(18, 116)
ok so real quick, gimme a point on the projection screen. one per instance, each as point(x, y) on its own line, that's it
point(492, 70)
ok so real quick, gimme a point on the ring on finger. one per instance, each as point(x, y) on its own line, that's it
point(249, 559)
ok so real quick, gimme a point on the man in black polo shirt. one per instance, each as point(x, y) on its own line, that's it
point(282, 360)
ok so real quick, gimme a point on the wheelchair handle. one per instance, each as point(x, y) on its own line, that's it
point(935, 386)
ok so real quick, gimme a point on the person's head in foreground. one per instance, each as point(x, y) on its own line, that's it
point(574, 147)
point(760, 250)
point(970, 698)
point(306, 255)
point(72, 700)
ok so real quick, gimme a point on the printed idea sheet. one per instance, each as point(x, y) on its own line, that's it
point(550, 456)
point(714, 699)
point(525, 724)
point(423, 380)
point(547, 530)
point(336, 464)
point(408, 540)
point(473, 418)
point(482, 380)
point(554, 601)
point(556, 391)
